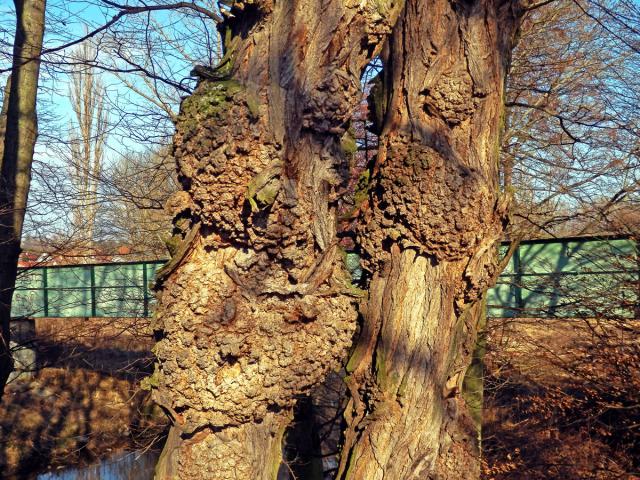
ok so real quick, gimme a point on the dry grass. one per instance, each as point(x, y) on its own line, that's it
point(84, 400)
point(562, 400)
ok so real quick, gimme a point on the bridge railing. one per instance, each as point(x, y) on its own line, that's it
point(92, 290)
point(571, 277)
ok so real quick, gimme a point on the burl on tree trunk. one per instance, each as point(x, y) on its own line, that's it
point(435, 220)
point(256, 306)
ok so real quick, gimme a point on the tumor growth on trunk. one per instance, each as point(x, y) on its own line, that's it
point(257, 306)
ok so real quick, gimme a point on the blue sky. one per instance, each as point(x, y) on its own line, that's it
point(178, 46)
point(178, 40)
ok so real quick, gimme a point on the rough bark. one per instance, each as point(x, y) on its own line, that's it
point(436, 215)
point(19, 141)
point(3, 116)
point(256, 306)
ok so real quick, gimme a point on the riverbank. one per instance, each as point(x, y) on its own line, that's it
point(82, 402)
point(73, 417)
point(562, 399)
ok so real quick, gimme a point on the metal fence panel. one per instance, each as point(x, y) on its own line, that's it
point(544, 278)
point(119, 290)
point(569, 278)
point(104, 290)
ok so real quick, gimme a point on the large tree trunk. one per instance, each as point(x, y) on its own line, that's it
point(435, 219)
point(256, 305)
point(21, 130)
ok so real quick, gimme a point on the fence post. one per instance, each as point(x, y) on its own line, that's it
point(45, 291)
point(94, 310)
point(145, 291)
point(517, 267)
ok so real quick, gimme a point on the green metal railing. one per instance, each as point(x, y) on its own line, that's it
point(545, 278)
point(572, 277)
point(98, 290)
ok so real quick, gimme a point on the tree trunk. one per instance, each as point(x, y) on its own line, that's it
point(256, 306)
point(15, 168)
point(435, 220)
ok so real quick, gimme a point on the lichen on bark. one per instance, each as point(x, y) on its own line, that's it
point(254, 308)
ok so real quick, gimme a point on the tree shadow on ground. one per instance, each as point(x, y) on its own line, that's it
point(81, 402)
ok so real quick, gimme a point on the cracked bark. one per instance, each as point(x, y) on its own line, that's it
point(435, 218)
point(256, 306)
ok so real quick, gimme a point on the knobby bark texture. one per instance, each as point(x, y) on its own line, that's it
point(20, 133)
point(434, 222)
point(256, 306)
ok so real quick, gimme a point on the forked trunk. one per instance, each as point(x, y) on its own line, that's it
point(256, 305)
point(435, 219)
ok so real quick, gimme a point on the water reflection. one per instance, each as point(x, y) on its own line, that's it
point(125, 466)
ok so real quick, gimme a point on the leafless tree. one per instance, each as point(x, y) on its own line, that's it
point(20, 132)
point(87, 141)
point(135, 191)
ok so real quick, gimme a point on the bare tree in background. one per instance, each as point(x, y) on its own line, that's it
point(145, 60)
point(570, 149)
point(135, 190)
point(87, 141)
point(562, 398)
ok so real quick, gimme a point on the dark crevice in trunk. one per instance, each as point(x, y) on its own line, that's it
point(301, 443)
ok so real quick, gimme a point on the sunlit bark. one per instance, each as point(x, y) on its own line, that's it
point(434, 223)
point(15, 168)
point(256, 305)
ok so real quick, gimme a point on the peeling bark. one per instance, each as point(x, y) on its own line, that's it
point(256, 306)
point(434, 221)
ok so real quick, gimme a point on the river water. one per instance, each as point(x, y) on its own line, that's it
point(124, 466)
